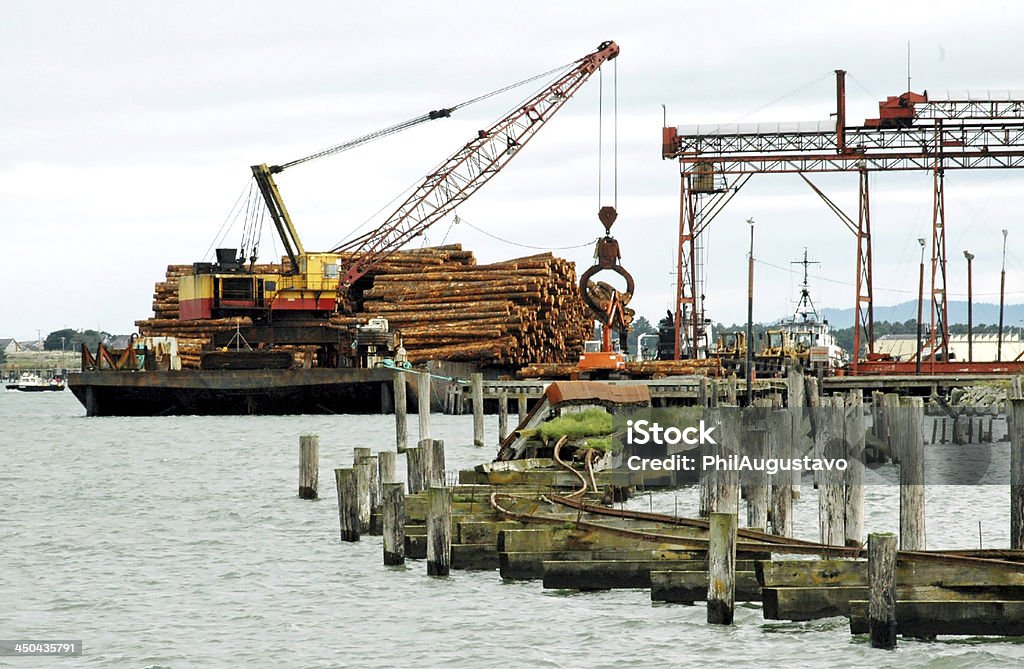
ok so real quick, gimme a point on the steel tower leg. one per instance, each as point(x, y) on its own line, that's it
point(939, 339)
point(864, 319)
point(687, 317)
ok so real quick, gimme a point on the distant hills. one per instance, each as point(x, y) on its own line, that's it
point(985, 313)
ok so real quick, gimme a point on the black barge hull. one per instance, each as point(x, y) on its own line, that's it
point(233, 392)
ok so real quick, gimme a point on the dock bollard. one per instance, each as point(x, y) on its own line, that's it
point(393, 516)
point(401, 418)
point(348, 503)
point(912, 509)
point(423, 396)
point(439, 531)
point(721, 568)
point(309, 466)
point(882, 590)
point(478, 408)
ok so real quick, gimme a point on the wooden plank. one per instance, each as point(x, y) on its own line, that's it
point(689, 587)
point(812, 603)
point(927, 619)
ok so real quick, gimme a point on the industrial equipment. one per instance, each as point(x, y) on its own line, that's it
point(318, 284)
point(606, 303)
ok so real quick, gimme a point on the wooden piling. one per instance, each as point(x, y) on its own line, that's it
point(502, 415)
point(1015, 428)
point(375, 494)
point(309, 466)
point(386, 470)
point(439, 532)
point(829, 444)
point(895, 425)
point(706, 476)
point(756, 485)
point(726, 497)
point(853, 434)
point(780, 447)
point(436, 457)
point(401, 417)
point(478, 408)
point(393, 512)
point(348, 503)
point(414, 464)
point(721, 568)
point(423, 397)
point(882, 590)
point(521, 407)
point(731, 390)
point(362, 468)
point(911, 449)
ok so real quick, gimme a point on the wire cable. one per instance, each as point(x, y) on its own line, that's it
point(519, 244)
point(785, 96)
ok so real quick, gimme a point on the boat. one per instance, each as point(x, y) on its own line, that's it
point(31, 383)
point(808, 335)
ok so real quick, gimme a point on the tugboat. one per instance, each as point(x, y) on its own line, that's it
point(808, 336)
point(32, 383)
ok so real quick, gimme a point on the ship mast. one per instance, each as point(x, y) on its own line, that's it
point(805, 306)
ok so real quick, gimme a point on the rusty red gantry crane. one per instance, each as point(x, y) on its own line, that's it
point(914, 131)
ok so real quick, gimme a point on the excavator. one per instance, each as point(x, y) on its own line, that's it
point(316, 285)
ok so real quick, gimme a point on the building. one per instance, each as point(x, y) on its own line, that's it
point(904, 347)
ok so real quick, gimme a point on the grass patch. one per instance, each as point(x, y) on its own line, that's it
point(589, 423)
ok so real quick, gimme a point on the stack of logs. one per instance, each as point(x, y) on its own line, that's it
point(445, 306)
point(508, 313)
point(638, 369)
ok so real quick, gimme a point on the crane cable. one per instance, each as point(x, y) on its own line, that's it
point(444, 112)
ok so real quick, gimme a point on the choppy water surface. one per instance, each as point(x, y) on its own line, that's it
point(180, 542)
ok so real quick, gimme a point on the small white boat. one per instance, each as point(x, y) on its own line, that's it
point(29, 383)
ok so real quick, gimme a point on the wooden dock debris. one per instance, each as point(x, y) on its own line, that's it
point(401, 407)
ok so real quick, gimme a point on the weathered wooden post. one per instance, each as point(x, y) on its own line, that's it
point(707, 476)
point(309, 466)
point(414, 465)
point(780, 446)
point(386, 470)
point(831, 487)
point(375, 494)
point(882, 590)
point(854, 434)
point(756, 482)
point(502, 414)
point(362, 468)
point(348, 503)
point(521, 407)
point(423, 397)
point(1015, 427)
point(726, 497)
point(393, 513)
point(702, 392)
point(401, 417)
point(721, 568)
point(478, 409)
point(436, 456)
point(911, 449)
point(439, 531)
point(893, 420)
point(731, 390)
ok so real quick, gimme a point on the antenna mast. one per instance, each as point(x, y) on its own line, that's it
point(805, 306)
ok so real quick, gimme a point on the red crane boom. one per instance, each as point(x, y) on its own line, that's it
point(468, 169)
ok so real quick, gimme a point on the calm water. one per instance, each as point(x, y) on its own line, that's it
point(180, 542)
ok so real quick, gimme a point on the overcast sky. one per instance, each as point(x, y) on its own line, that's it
point(127, 131)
